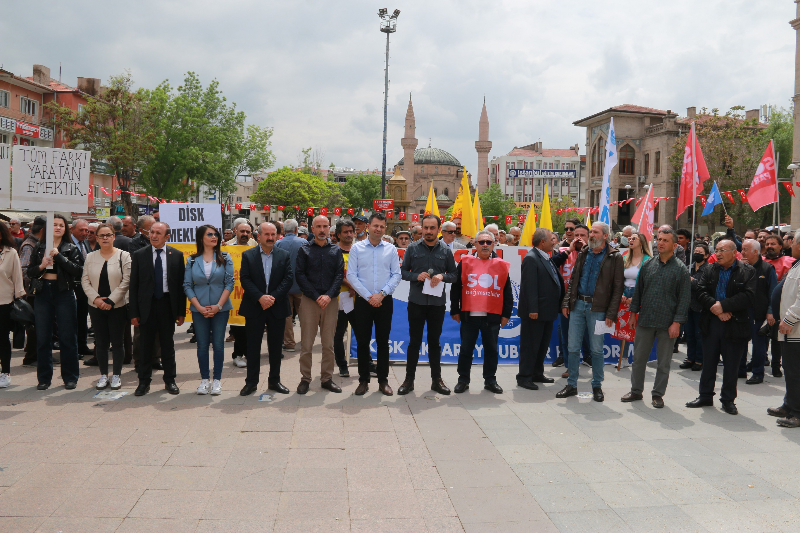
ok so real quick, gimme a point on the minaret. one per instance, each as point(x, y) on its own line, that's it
point(483, 146)
point(409, 143)
point(795, 213)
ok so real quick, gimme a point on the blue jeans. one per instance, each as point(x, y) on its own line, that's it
point(210, 331)
point(563, 340)
point(759, 351)
point(582, 320)
point(49, 304)
point(489, 331)
point(694, 337)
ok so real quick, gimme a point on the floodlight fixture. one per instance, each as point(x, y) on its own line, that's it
point(396, 13)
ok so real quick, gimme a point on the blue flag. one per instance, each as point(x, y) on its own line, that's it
point(714, 199)
point(611, 162)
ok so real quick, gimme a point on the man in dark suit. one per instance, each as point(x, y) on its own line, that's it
point(120, 241)
point(540, 295)
point(266, 276)
point(157, 303)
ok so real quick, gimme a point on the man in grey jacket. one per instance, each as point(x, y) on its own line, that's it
point(426, 260)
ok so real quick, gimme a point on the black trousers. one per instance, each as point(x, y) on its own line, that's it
point(30, 334)
point(338, 339)
point(109, 327)
point(254, 331)
point(365, 317)
point(418, 316)
point(534, 342)
point(471, 326)
point(716, 344)
point(82, 304)
point(160, 326)
point(777, 346)
point(239, 341)
point(5, 344)
point(791, 373)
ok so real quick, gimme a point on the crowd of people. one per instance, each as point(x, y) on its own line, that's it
point(122, 278)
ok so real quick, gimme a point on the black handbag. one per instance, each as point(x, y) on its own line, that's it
point(22, 312)
point(765, 330)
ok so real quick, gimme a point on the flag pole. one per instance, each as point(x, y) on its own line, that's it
point(777, 188)
point(694, 188)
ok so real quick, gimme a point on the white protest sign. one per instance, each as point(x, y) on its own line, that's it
point(50, 179)
point(183, 219)
point(5, 175)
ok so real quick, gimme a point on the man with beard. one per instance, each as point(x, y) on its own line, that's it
point(243, 237)
point(345, 234)
point(788, 240)
point(773, 254)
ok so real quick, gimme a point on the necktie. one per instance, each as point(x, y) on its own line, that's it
point(158, 289)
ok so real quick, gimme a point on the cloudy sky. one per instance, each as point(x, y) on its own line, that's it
point(313, 70)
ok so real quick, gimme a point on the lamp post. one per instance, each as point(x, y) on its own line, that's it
point(388, 25)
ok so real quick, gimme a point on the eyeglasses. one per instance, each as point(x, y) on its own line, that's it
point(567, 228)
point(105, 236)
point(486, 243)
point(212, 235)
point(719, 251)
point(448, 231)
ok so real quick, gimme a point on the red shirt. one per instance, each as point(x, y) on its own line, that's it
point(20, 235)
point(782, 264)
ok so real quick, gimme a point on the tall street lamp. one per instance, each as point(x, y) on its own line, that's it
point(388, 25)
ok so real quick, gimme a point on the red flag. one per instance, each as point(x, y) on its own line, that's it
point(414, 217)
point(691, 183)
point(389, 214)
point(337, 211)
point(729, 196)
point(281, 208)
point(442, 220)
point(253, 207)
point(643, 216)
point(401, 215)
point(788, 187)
point(742, 194)
point(508, 220)
point(310, 211)
point(237, 206)
point(323, 211)
point(764, 188)
point(702, 199)
point(351, 211)
point(521, 219)
point(266, 207)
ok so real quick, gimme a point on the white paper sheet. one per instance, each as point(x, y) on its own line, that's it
point(601, 328)
point(433, 291)
point(346, 303)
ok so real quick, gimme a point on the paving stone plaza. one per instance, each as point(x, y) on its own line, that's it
point(475, 462)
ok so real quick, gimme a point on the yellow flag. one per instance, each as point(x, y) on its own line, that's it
point(526, 239)
point(431, 207)
point(458, 205)
point(476, 209)
point(546, 222)
point(467, 216)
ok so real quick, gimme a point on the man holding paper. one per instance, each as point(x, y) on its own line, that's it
point(428, 264)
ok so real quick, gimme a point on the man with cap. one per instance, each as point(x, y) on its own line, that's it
point(361, 227)
point(402, 239)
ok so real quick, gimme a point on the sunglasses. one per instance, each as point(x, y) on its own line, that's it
point(486, 243)
point(214, 235)
point(567, 228)
point(448, 231)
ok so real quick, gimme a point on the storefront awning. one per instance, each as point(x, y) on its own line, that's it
point(22, 216)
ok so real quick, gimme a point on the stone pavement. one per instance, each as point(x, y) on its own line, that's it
point(476, 462)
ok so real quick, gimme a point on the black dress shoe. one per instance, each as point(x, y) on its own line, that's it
point(69, 385)
point(172, 388)
point(157, 366)
point(302, 387)
point(686, 364)
point(697, 367)
point(559, 361)
point(755, 380)
point(730, 408)
point(42, 386)
point(567, 391)
point(92, 361)
point(142, 389)
point(331, 386)
point(460, 387)
point(530, 385)
point(597, 394)
point(494, 387)
point(776, 373)
point(439, 386)
point(249, 389)
point(277, 387)
point(344, 372)
point(406, 387)
point(700, 402)
point(193, 339)
point(542, 379)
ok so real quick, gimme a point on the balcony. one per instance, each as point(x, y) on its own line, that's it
point(654, 130)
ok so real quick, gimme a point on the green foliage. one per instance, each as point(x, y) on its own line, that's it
point(117, 129)
point(494, 202)
point(732, 148)
point(290, 188)
point(361, 189)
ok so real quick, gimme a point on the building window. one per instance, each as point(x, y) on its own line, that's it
point(519, 196)
point(528, 197)
point(528, 181)
point(594, 161)
point(601, 156)
point(627, 159)
point(238, 198)
point(646, 164)
point(539, 165)
point(436, 191)
point(5, 99)
point(658, 163)
point(447, 192)
point(509, 182)
point(28, 106)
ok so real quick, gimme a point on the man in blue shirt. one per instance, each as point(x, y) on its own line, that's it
point(373, 270)
point(291, 243)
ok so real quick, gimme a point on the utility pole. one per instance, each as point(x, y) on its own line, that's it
point(388, 25)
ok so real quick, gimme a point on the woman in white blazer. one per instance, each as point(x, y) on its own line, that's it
point(105, 280)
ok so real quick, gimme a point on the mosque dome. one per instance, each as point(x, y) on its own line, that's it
point(432, 156)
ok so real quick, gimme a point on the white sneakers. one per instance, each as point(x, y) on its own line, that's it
point(240, 361)
point(116, 383)
point(5, 381)
point(102, 383)
point(204, 386)
point(216, 388)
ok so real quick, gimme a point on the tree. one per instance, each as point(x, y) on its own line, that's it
point(494, 202)
point(200, 140)
point(361, 189)
point(310, 160)
point(290, 188)
point(249, 153)
point(116, 126)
